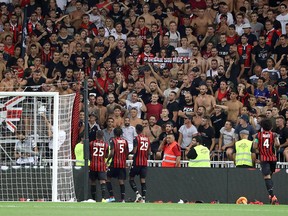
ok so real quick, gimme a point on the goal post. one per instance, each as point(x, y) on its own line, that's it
point(35, 146)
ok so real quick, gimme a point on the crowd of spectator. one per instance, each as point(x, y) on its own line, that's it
point(236, 74)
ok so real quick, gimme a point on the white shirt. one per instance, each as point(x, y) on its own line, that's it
point(283, 20)
point(169, 90)
point(129, 133)
point(211, 73)
point(230, 19)
point(137, 105)
point(61, 139)
point(187, 134)
point(228, 136)
point(183, 52)
point(174, 38)
point(119, 36)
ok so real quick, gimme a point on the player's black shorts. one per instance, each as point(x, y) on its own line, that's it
point(138, 170)
point(268, 167)
point(94, 175)
point(119, 173)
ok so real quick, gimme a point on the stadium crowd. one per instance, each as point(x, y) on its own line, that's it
point(208, 68)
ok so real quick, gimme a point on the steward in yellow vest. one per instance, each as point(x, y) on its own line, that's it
point(198, 155)
point(79, 154)
point(243, 156)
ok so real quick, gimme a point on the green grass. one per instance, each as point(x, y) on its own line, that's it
point(136, 209)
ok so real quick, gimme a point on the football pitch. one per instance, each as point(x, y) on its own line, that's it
point(137, 209)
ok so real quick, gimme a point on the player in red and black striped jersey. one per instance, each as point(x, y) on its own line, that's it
point(141, 152)
point(117, 169)
point(99, 151)
point(266, 142)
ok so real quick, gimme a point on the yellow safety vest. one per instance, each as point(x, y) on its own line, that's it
point(243, 152)
point(202, 159)
point(79, 154)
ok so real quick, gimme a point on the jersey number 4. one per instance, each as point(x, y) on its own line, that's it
point(144, 146)
point(266, 143)
point(98, 152)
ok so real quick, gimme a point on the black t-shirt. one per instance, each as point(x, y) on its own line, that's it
point(185, 108)
point(33, 86)
point(279, 50)
point(117, 17)
point(206, 134)
point(223, 50)
point(51, 65)
point(161, 122)
point(172, 107)
point(283, 134)
point(62, 68)
point(261, 54)
point(218, 122)
point(190, 89)
point(282, 86)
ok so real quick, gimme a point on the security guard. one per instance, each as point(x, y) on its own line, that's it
point(198, 155)
point(243, 156)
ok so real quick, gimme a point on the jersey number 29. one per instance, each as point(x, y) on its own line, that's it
point(144, 146)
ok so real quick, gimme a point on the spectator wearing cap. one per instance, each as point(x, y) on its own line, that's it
point(244, 125)
point(252, 39)
point(244, 156)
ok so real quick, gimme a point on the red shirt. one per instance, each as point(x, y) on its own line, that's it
point(143, 147)
point(104, 83)
point(266, 146)
point(245, 53)
point(232, 40)
point(120, 146)
point(154, 110)
point(9, 50)
point(198, 4)
point(99, 151)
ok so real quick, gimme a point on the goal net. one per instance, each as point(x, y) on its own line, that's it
point(35, 147)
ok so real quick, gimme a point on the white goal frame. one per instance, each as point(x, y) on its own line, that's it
point(55, 96)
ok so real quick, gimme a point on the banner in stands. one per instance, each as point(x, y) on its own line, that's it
point(178, 60)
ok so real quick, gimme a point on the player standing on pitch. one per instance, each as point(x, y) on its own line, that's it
point(141, 151)
point(117, 169)
point(265, 142)
point(99, 151)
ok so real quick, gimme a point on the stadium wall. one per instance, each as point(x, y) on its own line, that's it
point(195, 184)
point(191, 184)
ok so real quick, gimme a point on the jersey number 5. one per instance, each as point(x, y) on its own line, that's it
point(98, 152)
point(144, 146)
